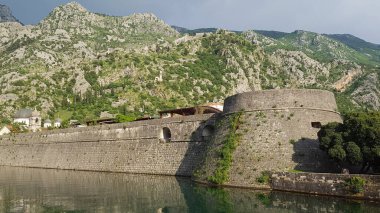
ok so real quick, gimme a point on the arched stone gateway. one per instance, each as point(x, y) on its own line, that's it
point(207, 132)
point(166, 134)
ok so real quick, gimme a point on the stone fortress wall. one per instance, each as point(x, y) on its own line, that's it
point(278, 133)
point(136, 147)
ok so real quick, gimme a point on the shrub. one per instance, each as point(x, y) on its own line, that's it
point(355, 142)
point(355, 184)
point(264, 177)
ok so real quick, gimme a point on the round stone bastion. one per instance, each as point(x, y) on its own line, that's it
point(281, 99)
point(277, 132)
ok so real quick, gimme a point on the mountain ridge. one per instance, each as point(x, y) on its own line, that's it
point(274, 34)
point(6, 14)
point(75, 64)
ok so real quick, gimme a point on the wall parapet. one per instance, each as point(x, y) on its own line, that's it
point(135, 147)
point(138, 130)
point(287, 108)
point(287, 98)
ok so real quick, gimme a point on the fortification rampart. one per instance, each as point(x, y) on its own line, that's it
point(137, 147)
point(281, 99)
point(277, 132)
point(183, 129)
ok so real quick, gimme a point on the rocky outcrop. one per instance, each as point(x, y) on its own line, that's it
point(6, 14)
point(368, 92)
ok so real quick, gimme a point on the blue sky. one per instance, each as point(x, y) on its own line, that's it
point(358, 17)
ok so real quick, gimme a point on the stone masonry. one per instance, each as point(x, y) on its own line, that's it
point(278, 131)
point(131, 147)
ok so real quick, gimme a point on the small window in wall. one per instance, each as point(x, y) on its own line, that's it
point(166, 134)
point(316, 125)
point(207, 132)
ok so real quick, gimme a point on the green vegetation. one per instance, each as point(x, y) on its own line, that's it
point(63, 114)
point(18, 128)
point(264, 199)
point(358, 44)
point(355, 184)
point(125, 118)
point(229, 145)
point(356, 141)
point(114, 72)
point(219, 197)
point(264, 178)
point(345, 104)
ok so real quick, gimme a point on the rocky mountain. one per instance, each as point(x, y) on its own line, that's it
point(6, 14)
point(358, 44)
point(195, 31)
point(76, 64)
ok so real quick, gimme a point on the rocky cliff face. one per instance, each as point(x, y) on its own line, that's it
point(78, 63)
point(6, 14)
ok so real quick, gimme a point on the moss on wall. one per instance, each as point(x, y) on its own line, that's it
point(221, 174)
point(215, 168)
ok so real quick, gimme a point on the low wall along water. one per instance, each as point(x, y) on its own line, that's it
point(132, 147)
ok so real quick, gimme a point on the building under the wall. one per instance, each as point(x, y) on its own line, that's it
point(210, 108)
point(30, 119)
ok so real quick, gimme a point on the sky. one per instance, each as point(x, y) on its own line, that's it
point(357, 17)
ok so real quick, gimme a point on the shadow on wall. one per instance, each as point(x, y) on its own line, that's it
point(310, 158)
point(197, 148)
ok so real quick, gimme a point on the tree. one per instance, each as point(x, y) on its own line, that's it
point(356, 141)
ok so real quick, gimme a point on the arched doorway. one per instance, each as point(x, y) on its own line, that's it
point(207, 132)
point(166, 134)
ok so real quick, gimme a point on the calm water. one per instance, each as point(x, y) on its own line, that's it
point(38, 190)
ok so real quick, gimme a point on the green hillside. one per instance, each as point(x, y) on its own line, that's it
point(76, 64)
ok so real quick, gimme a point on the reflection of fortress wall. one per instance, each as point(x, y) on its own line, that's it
point(38, 190)
point(131, 147)
point(278, 131)
point(119, 192)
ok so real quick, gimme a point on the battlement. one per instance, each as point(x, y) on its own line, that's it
point(281, 99)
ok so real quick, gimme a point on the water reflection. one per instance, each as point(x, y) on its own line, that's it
point(37, 190)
